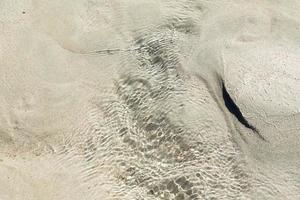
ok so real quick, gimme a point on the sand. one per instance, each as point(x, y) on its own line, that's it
point(122, 99)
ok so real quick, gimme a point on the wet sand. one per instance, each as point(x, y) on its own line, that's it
point(123, 100)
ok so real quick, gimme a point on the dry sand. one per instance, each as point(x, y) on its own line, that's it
point(122, 99)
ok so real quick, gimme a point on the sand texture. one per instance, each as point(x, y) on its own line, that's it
point(149, 100)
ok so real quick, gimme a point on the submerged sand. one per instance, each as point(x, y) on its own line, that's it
point(116, 99)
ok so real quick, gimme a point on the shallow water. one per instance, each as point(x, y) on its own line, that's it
point(178, 100)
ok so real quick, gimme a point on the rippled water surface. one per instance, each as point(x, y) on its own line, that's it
point(149, 100)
